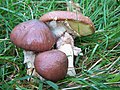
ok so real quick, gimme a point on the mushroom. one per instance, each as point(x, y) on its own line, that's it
point(65, 25)
point(33, 36)
point(79, 24)
point(51, 65)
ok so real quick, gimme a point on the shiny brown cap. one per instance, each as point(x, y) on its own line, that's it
point(32, 35)
point(51, 65)
point(79, 23)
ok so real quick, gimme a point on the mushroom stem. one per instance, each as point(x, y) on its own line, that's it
point(67, 49)
point(65, 44)
point(57, 28)
point(29, 58)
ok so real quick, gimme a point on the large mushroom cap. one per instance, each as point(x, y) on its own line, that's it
point(79, 23)
point(32, 35)
point(51, 65)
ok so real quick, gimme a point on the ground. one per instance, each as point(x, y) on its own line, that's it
point(97, 69)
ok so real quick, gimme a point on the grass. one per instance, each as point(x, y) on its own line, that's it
point(98, 69)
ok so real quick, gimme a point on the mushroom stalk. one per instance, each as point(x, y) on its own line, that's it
point(69, 52)
point(65, 44)
point(29, 58)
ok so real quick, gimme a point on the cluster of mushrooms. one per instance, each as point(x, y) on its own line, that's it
point(48, 43)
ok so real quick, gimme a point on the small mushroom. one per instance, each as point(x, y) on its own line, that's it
point(32, 36)
point(65, 25)
point(51, 65)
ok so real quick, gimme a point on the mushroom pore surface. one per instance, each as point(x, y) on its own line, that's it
point(51, 65)
point(32, 35)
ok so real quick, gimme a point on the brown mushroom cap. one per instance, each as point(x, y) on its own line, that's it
point(51, 65)
point(79, 23)
point(32, 35)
